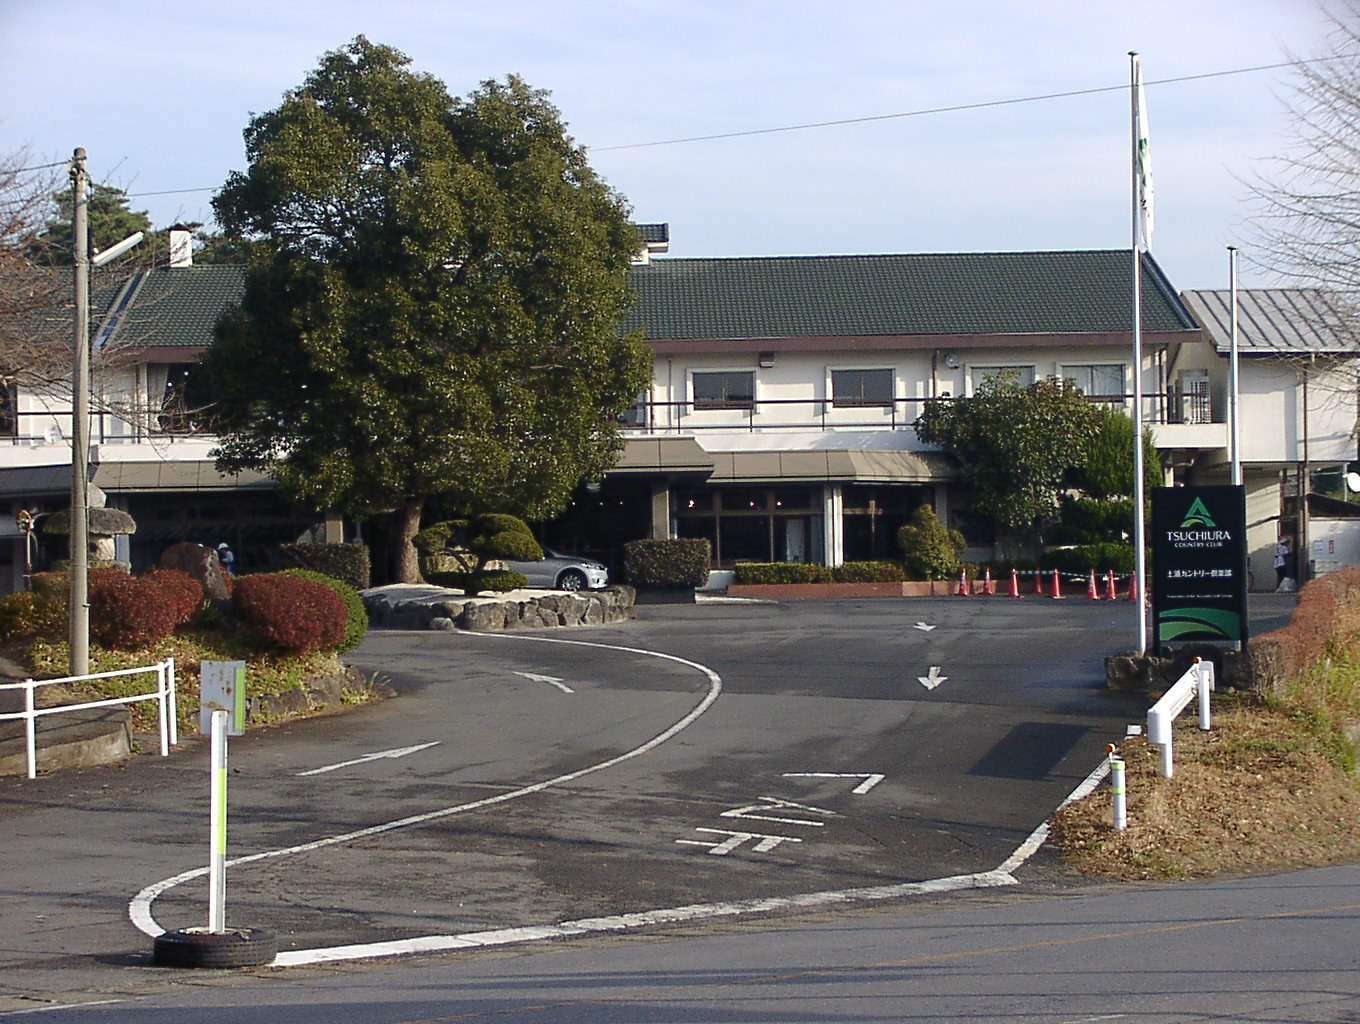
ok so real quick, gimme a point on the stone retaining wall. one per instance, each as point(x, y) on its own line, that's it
point(427, 607)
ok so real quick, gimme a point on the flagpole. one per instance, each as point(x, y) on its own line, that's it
point(1235, 408)
point(1138, 240)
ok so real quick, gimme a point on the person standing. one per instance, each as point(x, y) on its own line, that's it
point(1281, 561)
point(227, 559)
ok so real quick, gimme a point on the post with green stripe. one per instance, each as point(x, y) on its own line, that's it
point(217, 854)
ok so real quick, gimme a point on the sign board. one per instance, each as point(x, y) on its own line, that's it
point(1199, 564)
point(222, 687)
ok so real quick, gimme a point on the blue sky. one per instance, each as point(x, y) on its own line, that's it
point(158, 94)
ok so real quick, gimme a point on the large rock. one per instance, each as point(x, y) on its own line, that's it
point(199, 562)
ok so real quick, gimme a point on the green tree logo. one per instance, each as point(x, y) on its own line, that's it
point(1198, 515)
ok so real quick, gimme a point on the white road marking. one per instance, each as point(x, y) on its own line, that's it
point(934, 678)
point(139, 910)
point(61, 1006)
point(871, 779)
point(395, 752)
point(722, 849)
point(774, 803)
point(550, 680)
point(998, 878)
point(923, 627)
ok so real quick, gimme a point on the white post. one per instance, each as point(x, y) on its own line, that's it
point(217, 863)
point(1234, 380)
point(31, 728)
point(174, 703)
point(1204, 674)
point(1120, 807)
point(163, 700)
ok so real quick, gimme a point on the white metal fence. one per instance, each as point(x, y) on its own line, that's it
point(1198, 680)
point(164, 695)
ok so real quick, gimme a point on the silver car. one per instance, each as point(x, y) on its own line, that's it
point(562, 572)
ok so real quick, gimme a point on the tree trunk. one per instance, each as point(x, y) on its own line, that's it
point(408, 525)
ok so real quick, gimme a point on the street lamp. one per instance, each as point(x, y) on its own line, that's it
point(80, 412)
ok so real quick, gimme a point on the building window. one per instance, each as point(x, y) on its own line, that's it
point(1022, 375)
point(166, 384)
point(861, 387)
point(1100, 380)
point(725, 390)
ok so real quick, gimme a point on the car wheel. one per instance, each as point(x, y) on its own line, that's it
point(198, 947)
point(572, 579)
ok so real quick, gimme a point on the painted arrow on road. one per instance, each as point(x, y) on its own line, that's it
point(550, 680)
point(923, 627)
point(933, 679)
point(395, 752)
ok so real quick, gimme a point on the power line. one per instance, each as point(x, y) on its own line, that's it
point(955, 108)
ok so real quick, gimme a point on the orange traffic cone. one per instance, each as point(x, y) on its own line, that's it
point(1038, 580)
point(1111, 594)
point(1057, 586)
point(1091, 591)
point(988, 587)
point(1133, 587)
point(963, 584)
point(1015, 583)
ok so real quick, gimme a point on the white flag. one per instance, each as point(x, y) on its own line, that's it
point(1144, 175)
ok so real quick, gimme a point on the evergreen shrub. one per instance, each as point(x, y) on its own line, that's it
point(676, 564)
point(128, 612)
point(784, 572)
point(348, 563)
point(869, 572)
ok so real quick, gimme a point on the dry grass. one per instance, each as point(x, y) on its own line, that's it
point(1270, 787)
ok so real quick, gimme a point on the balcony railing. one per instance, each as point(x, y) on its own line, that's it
point(828, 414)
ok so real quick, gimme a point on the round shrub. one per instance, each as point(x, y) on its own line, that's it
point(180, 589)
point(356, 615)
point(290, 614)
point(128, 612)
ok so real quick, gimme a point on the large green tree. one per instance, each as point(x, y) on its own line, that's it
point(432, 301)
point(1016, 446)
point(110, 219)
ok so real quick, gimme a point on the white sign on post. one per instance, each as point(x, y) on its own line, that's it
point(222, 687)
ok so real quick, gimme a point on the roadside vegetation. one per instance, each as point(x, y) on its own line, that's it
point(289, 628)
point(1273, 785)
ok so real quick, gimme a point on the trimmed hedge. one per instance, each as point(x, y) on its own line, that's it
point(291, 614)
point(128, 612)
point(808, 572)
point(677, 564)
point(348, 563)
point(356, 615)
point(784, 572)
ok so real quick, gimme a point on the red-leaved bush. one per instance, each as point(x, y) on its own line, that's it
point(128, 612)
point(292, 614)
point(1327, 615)
point(181, 589)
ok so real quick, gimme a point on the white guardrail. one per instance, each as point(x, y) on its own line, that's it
point(1198, 680)
point(164, 694)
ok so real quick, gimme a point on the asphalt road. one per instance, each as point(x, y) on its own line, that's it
point(730, 758)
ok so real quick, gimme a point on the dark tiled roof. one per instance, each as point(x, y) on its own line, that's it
point(921, 294)
point(171, 306)
point(654, 232)
point(1278, 320)
point(770, 297)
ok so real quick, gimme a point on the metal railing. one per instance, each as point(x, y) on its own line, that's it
point(164, 694)
point(1198, 680)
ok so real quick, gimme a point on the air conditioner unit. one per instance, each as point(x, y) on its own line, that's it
point(1192, 387)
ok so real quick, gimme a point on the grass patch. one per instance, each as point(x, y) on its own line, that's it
point(1272, 786)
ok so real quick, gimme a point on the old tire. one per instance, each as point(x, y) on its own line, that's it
point(198, 947)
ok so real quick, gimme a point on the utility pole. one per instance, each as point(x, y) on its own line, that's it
point(80, 423)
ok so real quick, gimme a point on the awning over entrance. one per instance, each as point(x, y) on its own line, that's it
point(663, 455)
point(115, 477)
point(843, 466)
point(35, 481)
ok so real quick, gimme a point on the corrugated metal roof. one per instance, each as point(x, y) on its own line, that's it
point(915, 294)
point(1278, 320)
